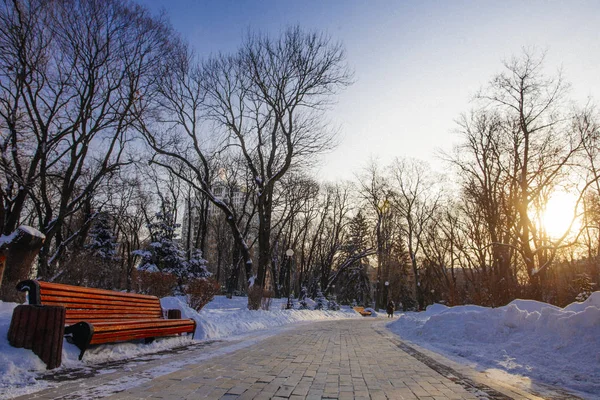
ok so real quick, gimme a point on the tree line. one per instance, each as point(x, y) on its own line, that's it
point(113, 132)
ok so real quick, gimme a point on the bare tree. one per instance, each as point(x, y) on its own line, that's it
point(542, 145)
point(268, 98)
point(374, 189)
point(177, 141)
point(416, 199)
point(71, 74)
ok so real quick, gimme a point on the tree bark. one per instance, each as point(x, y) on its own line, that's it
point(17, 256)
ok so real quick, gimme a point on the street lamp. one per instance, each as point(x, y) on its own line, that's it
point(289, 253)
point(387, 284)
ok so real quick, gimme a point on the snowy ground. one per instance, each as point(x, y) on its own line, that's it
point(529, 339)
point(521, 341)
point(222, 318)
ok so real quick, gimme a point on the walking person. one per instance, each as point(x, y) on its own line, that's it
point(390, 309)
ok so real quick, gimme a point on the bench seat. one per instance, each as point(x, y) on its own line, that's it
point(361, 311)
point(97, 316)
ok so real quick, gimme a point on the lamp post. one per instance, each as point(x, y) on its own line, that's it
point(387, 284)
point(376, 297)
point(289, 253)
point(333, 296)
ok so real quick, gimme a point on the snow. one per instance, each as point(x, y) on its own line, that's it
point(32, 231)
point(521, 341)
point(5, 239)
point(539, 341)
point(220, 319)
point(373, 312)
point(224, 317)
point(17, 366)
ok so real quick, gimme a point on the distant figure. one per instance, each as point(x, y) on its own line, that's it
point(390, 309)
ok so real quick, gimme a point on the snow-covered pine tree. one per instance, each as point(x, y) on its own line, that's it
point(354, 281)
point(584, 286)
point(102, 242)
point(320, 300)
point(100, 255)
point(165, 254)
point(303, 305)
point(332, 305)
point(196, 265)
point(162, 254)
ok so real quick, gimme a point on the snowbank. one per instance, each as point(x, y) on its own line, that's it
point(16, 365)
point(546, 343)
point(223, 318)
point(220, 319)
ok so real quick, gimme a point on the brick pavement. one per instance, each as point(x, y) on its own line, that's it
point(348, 359)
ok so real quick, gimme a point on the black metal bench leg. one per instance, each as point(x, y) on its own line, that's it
point(81, 333)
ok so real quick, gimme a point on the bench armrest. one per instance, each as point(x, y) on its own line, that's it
point(32, 288)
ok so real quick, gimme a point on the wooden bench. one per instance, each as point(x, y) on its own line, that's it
point(361, 311)
point(96, 316)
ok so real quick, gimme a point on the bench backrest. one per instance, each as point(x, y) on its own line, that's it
point(92, 305)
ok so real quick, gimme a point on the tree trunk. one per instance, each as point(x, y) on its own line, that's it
point(18, 255)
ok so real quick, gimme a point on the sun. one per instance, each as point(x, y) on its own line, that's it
point(559, 214)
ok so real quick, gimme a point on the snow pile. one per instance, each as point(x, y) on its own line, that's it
point(220, 319)
point(373, 312)
point(16, 365)
point(224, 317)
point(558, 346)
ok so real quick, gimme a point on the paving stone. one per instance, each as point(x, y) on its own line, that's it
point(345, 359)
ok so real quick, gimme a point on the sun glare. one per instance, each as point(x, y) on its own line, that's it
point(559, 213)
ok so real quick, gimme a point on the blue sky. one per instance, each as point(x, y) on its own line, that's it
point(416, 64)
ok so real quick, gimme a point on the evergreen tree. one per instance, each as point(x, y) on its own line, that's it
point(303, 305)
point(354, 281)
point(165, 253)
point(102, 241)
point(100, 268)
point(196, 265)
point(333, 305)
point(321, 301)
point(584, 286)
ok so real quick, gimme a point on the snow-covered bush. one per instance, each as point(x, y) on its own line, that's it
point(332, 305)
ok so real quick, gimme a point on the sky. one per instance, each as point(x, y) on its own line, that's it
point(417, 64)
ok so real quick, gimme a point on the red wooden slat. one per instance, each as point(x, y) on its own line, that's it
point(80, 289)
point(95, 314)
point(85, 306)
point(89, 296)
point(101, 327)
point(107, 302)
point(100, 311)
point(125, 335)
point(72, 321)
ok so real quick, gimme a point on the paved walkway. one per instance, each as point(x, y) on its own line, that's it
point(349, 359)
